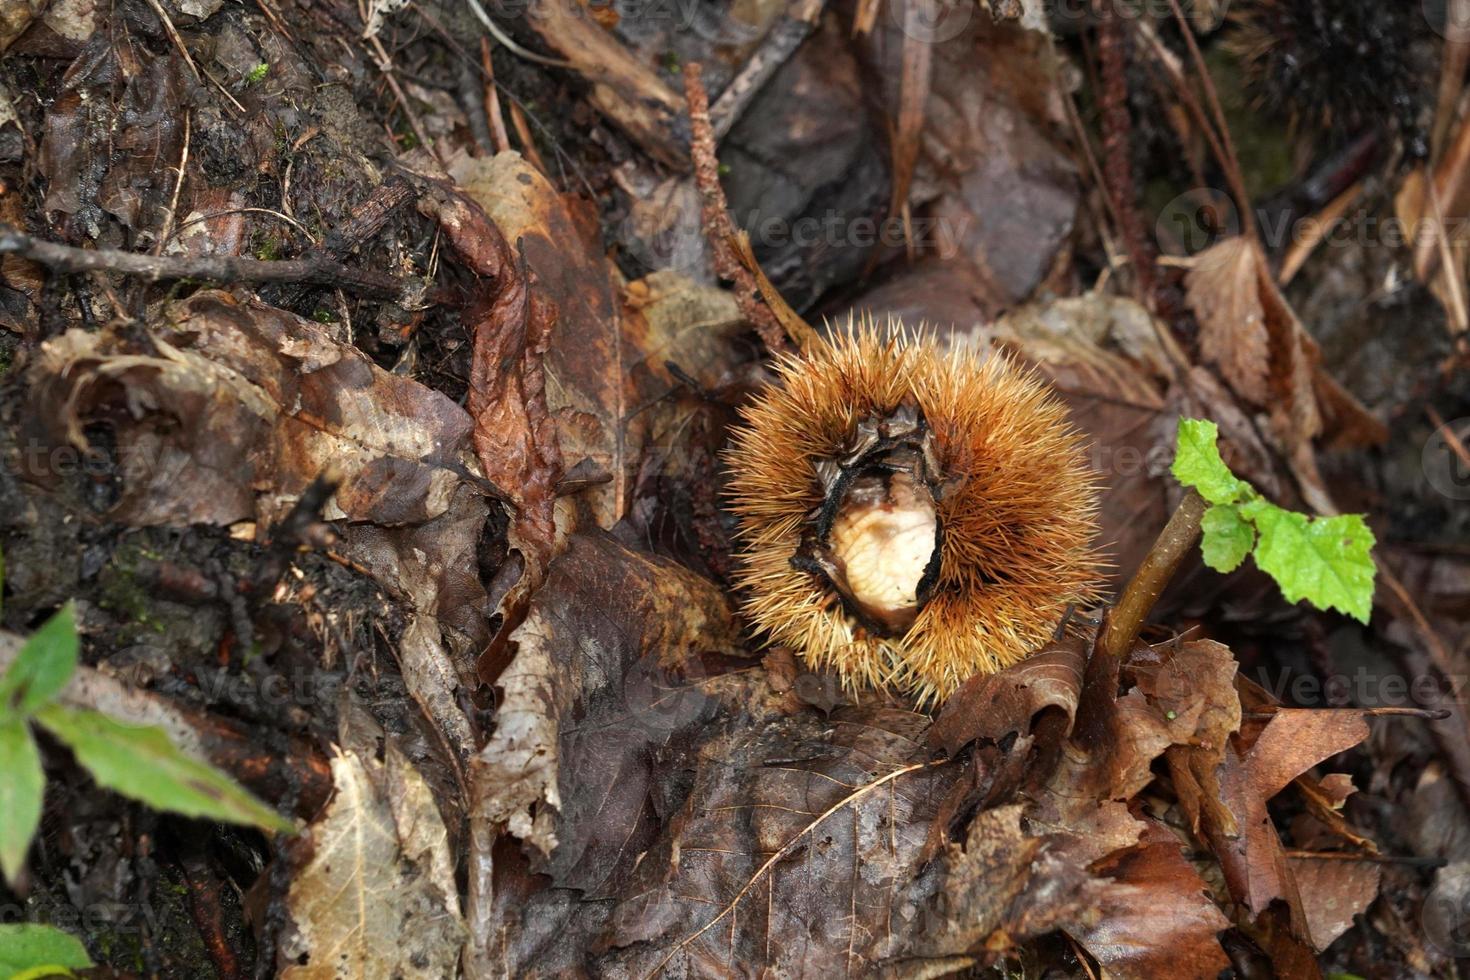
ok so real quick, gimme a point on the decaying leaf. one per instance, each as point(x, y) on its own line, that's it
point(374, 896)
point(1156, 917)
point(514, 437)
point(606, 688)
point(1225, 292)
point(1332, 892)
point(237, 408)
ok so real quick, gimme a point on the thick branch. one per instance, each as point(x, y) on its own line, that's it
point(318, 270)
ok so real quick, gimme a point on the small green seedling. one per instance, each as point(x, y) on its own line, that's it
point(1325, 560)
point(140, 762)
point(258, 73)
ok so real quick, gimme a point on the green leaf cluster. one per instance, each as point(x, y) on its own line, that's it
point(140, 762)
point(1325, 560)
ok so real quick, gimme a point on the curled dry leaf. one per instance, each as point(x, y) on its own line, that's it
point(587, 358)
point(1201, 666)
point(375, 895)
point(1155, 916)
point(514, 437)
point(236, 396)
point(631, 432)
point(992, 706)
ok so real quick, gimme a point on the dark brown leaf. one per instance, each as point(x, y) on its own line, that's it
point(1156, 917)
point(992, 706)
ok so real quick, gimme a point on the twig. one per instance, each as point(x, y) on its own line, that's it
point(509, 43)
point(1456, 445)
point(1117, 130)
point(1231, 163)
point(715, 216)
point(173, 35)
point(317, 271)
point(1143, 590)
point(1408, 859)
point(390, 75)
point(173, 205)
point(528, 144)
point(211, 215)
point(498, 137)
point(781, 41)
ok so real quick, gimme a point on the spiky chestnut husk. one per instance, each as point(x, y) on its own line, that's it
point(1336, 66)
point(972, 435)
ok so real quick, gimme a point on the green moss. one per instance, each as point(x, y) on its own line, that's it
point(123, 595)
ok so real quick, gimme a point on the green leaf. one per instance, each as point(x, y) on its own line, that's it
point(1324, 560)
point(142, 763)
point(1228, 538)
point(28, 948)
point(1197, 464)
point(21, 783)
point(43, 666)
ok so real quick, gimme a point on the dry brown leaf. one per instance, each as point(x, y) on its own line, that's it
point(607, 678)
point(239, 396)
point(1295, 740)
point(1156, 917)
point(370, 899)
point(513, 434)
point(1224, 292)
point(1175, 684)
point(992, 706)
point(587, 359)
point(1332, 892)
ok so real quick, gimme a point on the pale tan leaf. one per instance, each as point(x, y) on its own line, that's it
point(370, 900)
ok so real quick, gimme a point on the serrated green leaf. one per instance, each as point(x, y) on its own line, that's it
point(27, 948)
point(21, 785)
point(142, 763)
point(43, 666)
point(1197, 464)
point(1227, 538)
point(1324, 560)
